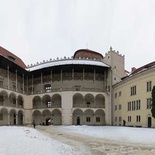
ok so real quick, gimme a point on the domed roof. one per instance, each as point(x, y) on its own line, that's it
point(86, 53)
point(12, 57)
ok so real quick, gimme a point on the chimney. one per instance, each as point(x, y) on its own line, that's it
point(133, 69)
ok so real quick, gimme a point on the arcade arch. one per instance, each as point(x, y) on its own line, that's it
point(100, 101)
point(78, 100)
point(36, 102)
point(56, 117)
point(56, 101)
point(77, 118)
point(37, 117)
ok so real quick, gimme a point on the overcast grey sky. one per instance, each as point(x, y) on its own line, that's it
point(37, 30)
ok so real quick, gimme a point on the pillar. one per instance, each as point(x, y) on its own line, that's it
point(41, 82)
point(23, 84)
point(73, 74)
point(32, 84)
point(8, 118)
point(16, 119)
point(8, 77)
point(16, 82)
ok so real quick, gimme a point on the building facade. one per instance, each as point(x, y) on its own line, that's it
point(75, 90)
point(87, 89)
point(132, 98)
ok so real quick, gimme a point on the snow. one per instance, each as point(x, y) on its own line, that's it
point(122, 134)
point(29, 141)
point(67, 62)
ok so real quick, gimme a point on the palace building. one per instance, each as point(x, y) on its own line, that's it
point(87, 89)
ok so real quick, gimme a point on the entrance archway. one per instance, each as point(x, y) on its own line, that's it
point(77, 117)
point(37, 117)
point(20, 117)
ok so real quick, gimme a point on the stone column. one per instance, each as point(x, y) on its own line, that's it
point(32, 84)
point(16, 82)
point(72, 74)
point(16, 102)
point(23, 119)
point(94, 121)
point(16, 119)
point(8, 119)
point(23, 84)
point(94, 75)
point(83, 73)
point(27, 85)
point(8, 77)
point(41, 82)
point(61, 76)
point(51, 75)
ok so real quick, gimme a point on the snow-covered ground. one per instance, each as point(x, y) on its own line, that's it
point(29, 141)
point(115, 133)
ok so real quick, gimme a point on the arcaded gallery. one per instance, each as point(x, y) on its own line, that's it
point(69, 91)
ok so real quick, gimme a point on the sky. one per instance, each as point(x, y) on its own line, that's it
point(37, 30)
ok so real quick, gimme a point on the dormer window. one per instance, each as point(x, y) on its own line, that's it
point(11, 58)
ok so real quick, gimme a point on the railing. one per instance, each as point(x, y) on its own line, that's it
point(87, 106)
point(10, 105)
point(45, 106)
point(80, 88)
point(68, 89)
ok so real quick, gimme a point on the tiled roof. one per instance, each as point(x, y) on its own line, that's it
point(12, 57)
point(145, 67)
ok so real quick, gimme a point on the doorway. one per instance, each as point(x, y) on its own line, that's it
point(78, 121)
point(14, 119)
point(149, 122)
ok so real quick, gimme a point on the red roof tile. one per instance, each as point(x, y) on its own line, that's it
point(12, 57)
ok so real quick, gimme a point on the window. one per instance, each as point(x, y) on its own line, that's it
point(120, 119)
point(11, 58)
point(1, 98)
point(120, 93)
point(133, 90)
point(149, 102)
point(115, 107)
point(120, 106)
point(115, 119)
point(115, 95)
point(138, 105)
point(49, 104)
point(97, 119)
point(47, 88)
point(129, 118)
point(138, 118)
point(129, 106)
point(133, 105)
point(87, 119)
point(149, 86)
point(88, 104)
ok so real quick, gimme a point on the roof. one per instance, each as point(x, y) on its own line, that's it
point(67, 62)
point(12, 57)
point(87, 51)
point(145, 67)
